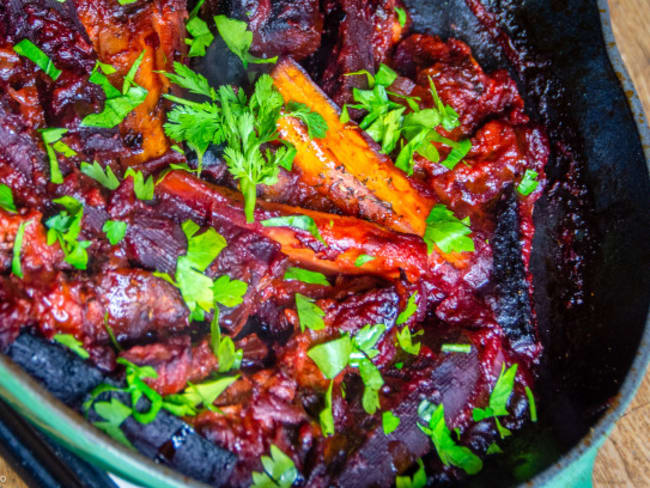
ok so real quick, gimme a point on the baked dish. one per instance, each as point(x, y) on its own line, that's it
point(269, 243)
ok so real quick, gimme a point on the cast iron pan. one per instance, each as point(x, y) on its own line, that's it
point(592, 310)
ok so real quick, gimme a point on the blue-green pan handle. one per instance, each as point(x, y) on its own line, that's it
point(580, 472)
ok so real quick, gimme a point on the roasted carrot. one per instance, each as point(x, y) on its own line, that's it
point(346, 164)
point(344, 239)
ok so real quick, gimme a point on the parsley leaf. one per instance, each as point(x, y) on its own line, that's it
point(104, 177)
point(65, 228)
point(409, 310)
point(493, 448)
point(531, 404)
point(448, 451)
point(447, 232)
point(316, 124)
point(419, 479)
point(460, 348)
point(69, 341)
point(18, 244)
point(528, 183)
point(332, 357)
point(50, 137)
point(389, 422)
point(118, 104)
point(326, 416)
point(310, 315)
point(198, 394)
point(227, 292)
point(142, 189)
point(32, 52)
point(7, 199)
point(301, 222)
point(405, 341)
point(401, 16)
point(115, 231)
point(363, 259)
point(498, 399)
point(223, 347)
point(114, 413)
point(238, 38)
point(306, 276)
point(279, 471)
point(201, 36)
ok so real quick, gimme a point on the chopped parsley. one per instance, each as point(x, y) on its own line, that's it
point(223, 347)
point(405, 340)
point(65, 228)
point(104, 177)
point(418, 480)
point(531, 404)
point(118, 103)
point(363, 259)
point(461, 348)
point(306, 276)
point(447, 232)
point(69, 341)
point(310, 315)
point(114, 230)
point(528, 183)
point(244, 124)
point(493, 448)
point(16, 268)
point(238, 38)
point(326, 416)
point(198, 29)
point(279, 471)
point(498, 399)
point(301, 222)
point(7, 199)
point(332, 357)
point(195, 395)
point(53, 145)
point(389, 422)
point(143, 189)
point(401, 16)
point(32, 52)
point(389, 124)
point(411, 308)
point(114, 414)
point(316, 124)
point(449, 452)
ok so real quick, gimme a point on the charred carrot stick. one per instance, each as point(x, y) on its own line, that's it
point(334, 244)
point(346, 165)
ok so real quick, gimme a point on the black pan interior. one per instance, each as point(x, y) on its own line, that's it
point(591, 309)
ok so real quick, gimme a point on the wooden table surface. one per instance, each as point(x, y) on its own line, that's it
point(624, 459)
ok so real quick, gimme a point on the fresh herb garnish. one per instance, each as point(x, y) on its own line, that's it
point(528, 183)
point(114, 230)
point(461, 348)
point(306, 276)
point(363, 259)
point(301, 222)
point(65, 228)
point(447, 449)
point(447, 232)
point(114, 414)
point(32, 52)
point(388, 122)
point(405, 341)
point(409, 310)
point(53, 144)
point(332, 357)
point(7, 199)
point(316, 124)
point(118, 103)
point(223, 347)
point(279, 471)
point(326, 416)
point(142, 189)
point(310, 315)
point(104, 177)
point(198, 29)
point(16, 268)
point(111, 334)
point(195, 395)
point(389, 422)
point(238, 38)
point(227, 292)
point(531, 404)
point(69, 341)
point(498, 399)
point(401, 16)
point(418, 480)
point(493, 448)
